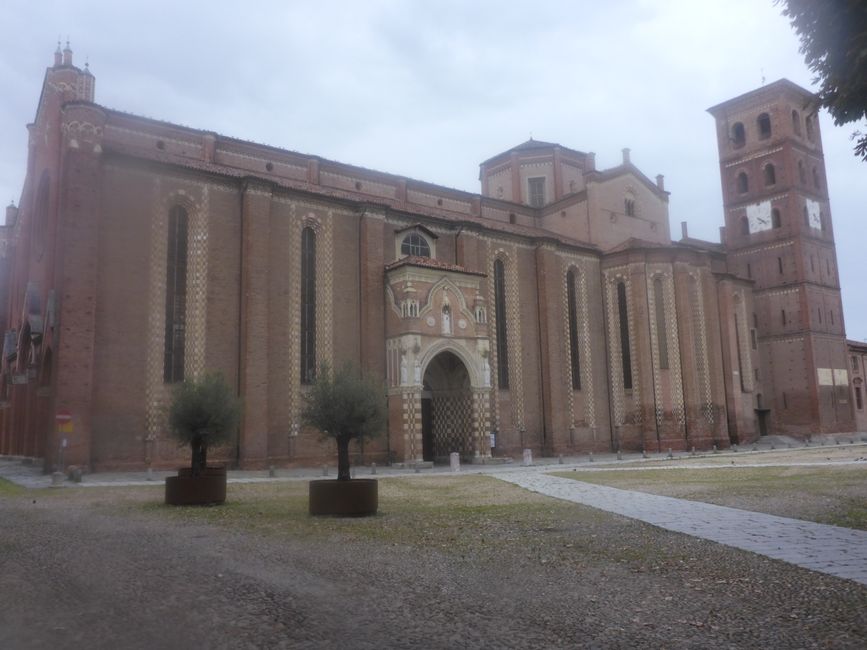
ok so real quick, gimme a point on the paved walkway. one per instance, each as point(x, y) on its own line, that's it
point(840, 552)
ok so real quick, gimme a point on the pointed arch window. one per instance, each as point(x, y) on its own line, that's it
point(574, 358)
point(743, 183)
point(625, 354)
point(500, 310)
point(661, 332)
point(770, 174)
point(308, 306)
point(176, 296)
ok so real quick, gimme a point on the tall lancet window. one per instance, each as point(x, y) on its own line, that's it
point(625, 355)
point(308, 306)
point(500, 310)
point(574, 359)
point(176, 296)
point(661, 331)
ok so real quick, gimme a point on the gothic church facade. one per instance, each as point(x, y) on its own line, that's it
point(552, 311)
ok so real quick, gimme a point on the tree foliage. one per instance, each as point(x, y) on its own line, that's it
point(345, 405)
point(203, 413)
point(833, 37)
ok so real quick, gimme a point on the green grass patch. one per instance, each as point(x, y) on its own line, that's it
point(461, 516)
point(8, 488)
point(832, 494)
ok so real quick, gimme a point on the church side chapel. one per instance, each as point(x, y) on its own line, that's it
point(551, 311)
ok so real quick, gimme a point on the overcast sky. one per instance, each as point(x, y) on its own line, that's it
point(429, 89)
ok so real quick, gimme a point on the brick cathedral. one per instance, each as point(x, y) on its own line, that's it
point(552, 311)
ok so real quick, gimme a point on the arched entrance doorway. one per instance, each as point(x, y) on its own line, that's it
point(446, 409)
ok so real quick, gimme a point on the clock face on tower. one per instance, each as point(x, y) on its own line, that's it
point(759, 216)
point(814, 214)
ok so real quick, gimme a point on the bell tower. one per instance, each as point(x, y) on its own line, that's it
point(778, 233)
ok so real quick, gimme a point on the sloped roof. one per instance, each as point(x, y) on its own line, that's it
point(430, 263)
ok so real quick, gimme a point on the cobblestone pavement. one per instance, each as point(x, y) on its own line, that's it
point(837, 551)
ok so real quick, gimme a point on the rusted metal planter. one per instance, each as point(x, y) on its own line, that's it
point(357, 497)
point(207, 489)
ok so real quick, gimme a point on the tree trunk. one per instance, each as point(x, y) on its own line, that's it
point(343, 458)
point(200, 455)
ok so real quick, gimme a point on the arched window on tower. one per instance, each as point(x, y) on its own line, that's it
point(415, 245)
point(764, 124)
point(811, 135)
point(743, 183)
point(738, 136)
point(776, 218)
point(176, 296)
point(801, 173)
point(575, 361)
point(745, 226)
point(816, 182)
point(308, 306)
point(625, 354)
point(500, 311)
point(770, 174)
point(796, 122)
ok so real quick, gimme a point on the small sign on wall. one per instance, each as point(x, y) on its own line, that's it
point(64, 422)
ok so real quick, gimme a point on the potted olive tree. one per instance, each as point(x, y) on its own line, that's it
point(344, 405)
point(203, 413)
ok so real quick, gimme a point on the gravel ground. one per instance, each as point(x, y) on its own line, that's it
point(452, 562)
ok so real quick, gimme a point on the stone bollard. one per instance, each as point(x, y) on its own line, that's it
point(325, 470)
point(150, 474)
point(715, 450)
point(619, 455)
point(272, 472)
point(76, 475)
point(692, 452)
point(57, 479)
point(528, 457)
point(735, 448)
point(373, 468)
point(670, 455)
point(455, 461)
point(591, 457)
point(560, 459)
point(755, 447)
point(644, 453)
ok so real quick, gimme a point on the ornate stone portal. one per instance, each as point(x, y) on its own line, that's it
point(438, 368)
